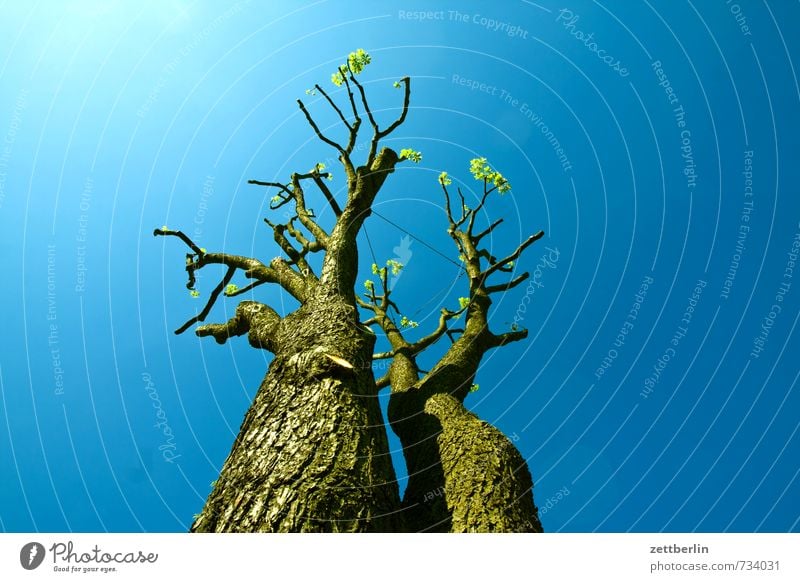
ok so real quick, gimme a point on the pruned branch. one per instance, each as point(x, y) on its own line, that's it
point(257, 320)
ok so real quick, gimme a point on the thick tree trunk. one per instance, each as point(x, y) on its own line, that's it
point(312, 453)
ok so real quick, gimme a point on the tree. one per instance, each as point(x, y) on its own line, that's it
point(312, 452)
point(464, 474)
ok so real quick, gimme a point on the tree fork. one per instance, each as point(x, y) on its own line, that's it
point(464, 474)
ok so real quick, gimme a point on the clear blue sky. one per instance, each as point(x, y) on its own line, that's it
point(677, 128)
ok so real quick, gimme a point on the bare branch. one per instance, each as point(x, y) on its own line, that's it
point(448, 210)
point(506, 286)
point(464, 207)
point(304, 215)
point(379, 134)
point(476, 238)
point(278, 231)
point(525, 244)
point(295, 283)
point(211, 300)
point(344, 154)
point(335, 107)
point(244, 289)
point(357, 119)
point(508, 337)
point(441, 329)
point(373, 146)
point(487, 255)
point(364, 102)
point(480, 205)
point(189, 243)
point(296, 193)
point(337, 211)
point(316, 129)
point(284, 194)
point(307, 245)
point(454, 224)
point(406, 100)
point(451, 333)
point(370, 306)
point(278, 272)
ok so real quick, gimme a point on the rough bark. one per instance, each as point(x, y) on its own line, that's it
point(464, 474)
point(312, 453)
point(487, 484)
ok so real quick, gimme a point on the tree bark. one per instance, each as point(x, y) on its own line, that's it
point(464, 474)
point(312, 453)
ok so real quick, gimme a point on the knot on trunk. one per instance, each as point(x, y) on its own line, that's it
point(322, 362)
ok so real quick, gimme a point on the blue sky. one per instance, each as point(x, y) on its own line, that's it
point(653, 142)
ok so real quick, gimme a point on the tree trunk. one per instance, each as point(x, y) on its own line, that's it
point(464, 474)
point(312, 453)
point(487, 484)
